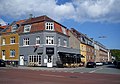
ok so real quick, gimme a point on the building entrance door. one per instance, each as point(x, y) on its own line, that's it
point(50, 53)
point(21, 60)
point(49, 61)
point(3, 57)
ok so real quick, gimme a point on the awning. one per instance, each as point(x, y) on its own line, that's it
point(70, 54)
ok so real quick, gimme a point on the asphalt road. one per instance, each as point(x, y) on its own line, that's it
point(106, 69)
point(25, 76)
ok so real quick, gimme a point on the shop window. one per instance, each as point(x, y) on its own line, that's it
point(34, 60)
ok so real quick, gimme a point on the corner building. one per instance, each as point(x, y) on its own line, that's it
point(45, 42)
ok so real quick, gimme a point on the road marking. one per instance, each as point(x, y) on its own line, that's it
point(51, 75)
point(96, 70)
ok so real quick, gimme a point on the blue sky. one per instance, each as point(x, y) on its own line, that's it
point(92, 17)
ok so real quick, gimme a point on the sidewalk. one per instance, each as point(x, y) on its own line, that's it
point(54, 69)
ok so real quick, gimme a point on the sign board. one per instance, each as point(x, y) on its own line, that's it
point(50, 51)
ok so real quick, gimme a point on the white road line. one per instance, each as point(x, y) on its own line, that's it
point(51, 75)
point(96, 70)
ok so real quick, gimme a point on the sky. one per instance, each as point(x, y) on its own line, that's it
point(96, 18)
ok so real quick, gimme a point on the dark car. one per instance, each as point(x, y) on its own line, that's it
point(118, 64)
point(91, 64)
point(2, 63)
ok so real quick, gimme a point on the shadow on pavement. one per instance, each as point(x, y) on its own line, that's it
point(111, 66)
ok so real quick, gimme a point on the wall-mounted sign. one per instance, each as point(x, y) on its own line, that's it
point(49, 50)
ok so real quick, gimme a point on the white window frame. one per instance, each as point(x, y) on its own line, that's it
point(63, 30)
point(49, 26)
point(27, 28)
point(26, 42)
point(3, 41)
point(12, 53)
point(12, 40)
point(38, 40)
point(14, 28)
point(59, 43)
point(3, 52)
point(50, 40)
point(34, 59)
point(65, 43)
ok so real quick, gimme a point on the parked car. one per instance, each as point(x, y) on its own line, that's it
point(99, 63)
point(110, 63)
point(2, 63)
point(118, 64)
point(91, 64)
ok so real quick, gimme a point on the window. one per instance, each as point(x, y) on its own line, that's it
point(82, 48)
point(58, 41)
point(49, 40)
point(34, 59)
point(3, 52)
point(12, 40)
point(26, 41)
point(49, 26)
point(37, 40)
point(3, 41)
point(65, 43)
point(63, 30)
point(12, 53)
point(27, 28)
point(14, 27)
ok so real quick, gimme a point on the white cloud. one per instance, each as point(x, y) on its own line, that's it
point(97, 10)
point(79, 10)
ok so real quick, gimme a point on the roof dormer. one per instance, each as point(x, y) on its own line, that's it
point(14, 27)
point(27, 28)
point(49, 26)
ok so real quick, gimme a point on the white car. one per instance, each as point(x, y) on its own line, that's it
point(99, 63)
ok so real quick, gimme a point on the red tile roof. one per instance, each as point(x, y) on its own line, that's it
point(38, 24)
point(37, 19)
point(3, 27)
point(20, 21)
point(9, 27)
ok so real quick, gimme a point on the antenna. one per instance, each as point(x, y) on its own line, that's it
point(30, 15)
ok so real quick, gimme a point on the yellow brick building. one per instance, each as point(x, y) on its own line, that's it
point(83, 52)
point(0, 48)
point(10, 48)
